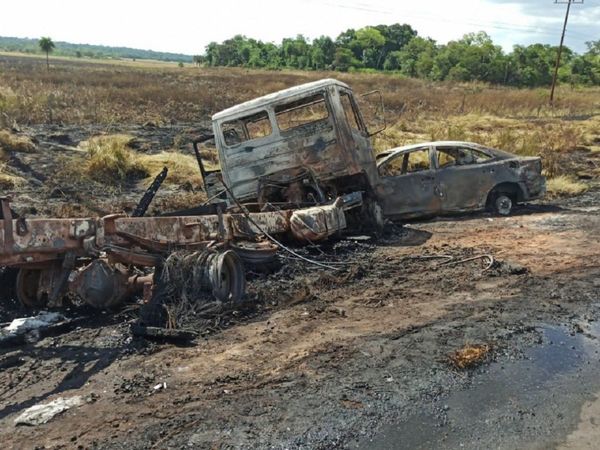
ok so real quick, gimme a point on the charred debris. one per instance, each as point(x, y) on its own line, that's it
point(295, 167)
point(290, 171)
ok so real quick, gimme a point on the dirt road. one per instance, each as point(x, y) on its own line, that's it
point(346, 359)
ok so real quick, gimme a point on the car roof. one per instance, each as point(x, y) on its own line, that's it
point(388, 154)
point(279, 95)
point(409, 147)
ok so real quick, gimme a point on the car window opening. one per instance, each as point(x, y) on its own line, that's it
point(459, 156)
point(415, 161)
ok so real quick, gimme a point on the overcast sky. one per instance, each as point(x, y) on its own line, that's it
point(185, 26)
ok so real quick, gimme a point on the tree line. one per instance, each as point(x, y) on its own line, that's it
point(27, 45)
point(398, 48)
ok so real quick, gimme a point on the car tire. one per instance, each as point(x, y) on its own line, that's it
point(502, 204)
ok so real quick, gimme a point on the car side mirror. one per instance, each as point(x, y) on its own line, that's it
point(376, 112)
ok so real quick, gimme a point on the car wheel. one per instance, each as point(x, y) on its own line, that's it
point(503, 204)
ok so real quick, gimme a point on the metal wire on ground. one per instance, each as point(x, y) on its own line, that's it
point(451, 262)
point(449, 257)
point(488, 256)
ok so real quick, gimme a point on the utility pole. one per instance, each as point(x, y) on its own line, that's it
point(560, 47)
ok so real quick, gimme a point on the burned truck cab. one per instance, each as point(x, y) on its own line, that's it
point(301, 146)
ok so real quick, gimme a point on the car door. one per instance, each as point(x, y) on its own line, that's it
point(408, 187)
point(463, 176)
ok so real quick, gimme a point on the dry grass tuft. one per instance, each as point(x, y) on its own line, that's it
point(183, 169)
point(565, 185)
point(111, 160)
point(10, 142)
point(9, 181)
point(469, 356)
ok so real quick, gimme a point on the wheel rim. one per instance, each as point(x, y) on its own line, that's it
point(227, 277)
point(503, 205)
point(28, 281)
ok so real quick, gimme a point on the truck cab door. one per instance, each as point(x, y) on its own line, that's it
point(208, 163)
point(359, 134)
point(408, 185)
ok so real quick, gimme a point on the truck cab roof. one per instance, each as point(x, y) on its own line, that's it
point(261, 102)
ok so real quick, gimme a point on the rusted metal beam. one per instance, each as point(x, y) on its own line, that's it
point(36, 240)
point(138, 240)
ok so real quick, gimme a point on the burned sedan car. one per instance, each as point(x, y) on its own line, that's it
point(446, 176)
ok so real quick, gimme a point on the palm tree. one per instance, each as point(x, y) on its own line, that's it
point(47, 46)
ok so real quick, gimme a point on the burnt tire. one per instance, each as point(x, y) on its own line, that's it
point(502, 204)
point(371, 216)
point(27, 284)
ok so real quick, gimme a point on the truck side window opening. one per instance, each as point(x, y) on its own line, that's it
point(301, 112)
point(233, 132)
point(246, 128)
point(259, 126)
point(349, 110)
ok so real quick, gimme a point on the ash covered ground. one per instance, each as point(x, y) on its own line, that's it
point(353, 358)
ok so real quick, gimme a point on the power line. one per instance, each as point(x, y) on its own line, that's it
point(560, 47)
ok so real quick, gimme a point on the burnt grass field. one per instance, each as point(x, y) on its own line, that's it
point(397, 350)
